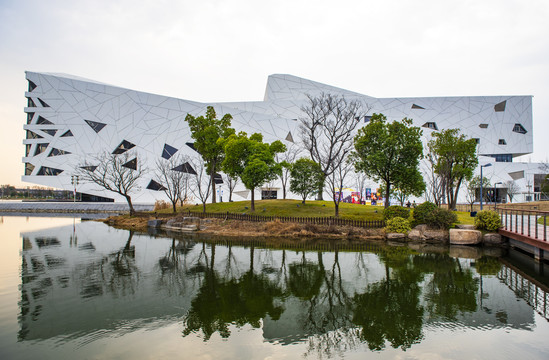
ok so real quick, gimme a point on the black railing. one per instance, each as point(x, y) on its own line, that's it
point(531, 223)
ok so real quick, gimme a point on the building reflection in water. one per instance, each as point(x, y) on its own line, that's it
point(111, 282)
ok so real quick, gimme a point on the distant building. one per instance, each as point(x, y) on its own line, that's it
point(69, 119)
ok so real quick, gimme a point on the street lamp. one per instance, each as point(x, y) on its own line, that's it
point(482, 166)
point(496, 194)
point(74, 182)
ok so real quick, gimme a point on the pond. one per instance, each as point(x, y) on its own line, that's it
point(81, 289)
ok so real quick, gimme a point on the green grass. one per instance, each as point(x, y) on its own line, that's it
point(464, 217)
point(311, 208)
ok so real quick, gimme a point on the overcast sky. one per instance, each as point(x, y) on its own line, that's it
point(210, 50)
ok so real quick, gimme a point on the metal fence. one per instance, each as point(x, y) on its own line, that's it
point(531, 223)
point(329, 220)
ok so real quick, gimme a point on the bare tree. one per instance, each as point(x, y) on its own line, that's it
point(360, 181)
point(119, 173)
point(201, 181)
point(512, 189)
point(327, 130)
point(335, 181)
point(231, 184)
point(286, 159)
point(435, 183)
point(173, 175)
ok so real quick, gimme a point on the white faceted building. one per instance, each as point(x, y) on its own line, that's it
point(69, 119)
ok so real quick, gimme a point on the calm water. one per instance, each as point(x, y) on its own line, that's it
point(72, 289)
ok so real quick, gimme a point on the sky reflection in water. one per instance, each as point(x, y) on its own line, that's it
point(110, 293)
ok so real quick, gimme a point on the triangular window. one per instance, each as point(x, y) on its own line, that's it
point(43, 103)
point(28, 168)
point(49, 132)
point(29, 117)
point(43, 121)
point(96, 126)
point(57, 152)
point(483, 126)
point(32, 86)
point(30, 102)
point(414, 106)
point(40, 148)
point(153, 185)
point(123, 147)
point(47, 171)
point(186, 168)
point(33, 135)
point(289, 137)
point(132, 164)
point(67, 134)
point(430, 125)
point(89, 168)
point(518, 128)
point(168, 151)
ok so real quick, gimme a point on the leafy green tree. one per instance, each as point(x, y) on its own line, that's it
point(206, 131)
point(390, 153)
point(306, 177)
point(473, 189)
point(252, 160)
point(456, 159)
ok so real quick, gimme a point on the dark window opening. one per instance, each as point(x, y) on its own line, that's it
point(168, 151)
point(430, 125)
point(502, 157)
point(153, 185)
point(67, 134)
point(502, 142)
point(32, 86)
point(269, 194)
point(289, 137)
point(49, 132)
point(28, 168)
point(33, 135)
point(186, 168)
point(477, 140)
point(414, 106)
point(29, 117)
point(57, 152)
point(47, 171)
point(132, 164)
point(40, 148)
point(499, 107)
point(367, 119)
point(218, 179)
point(191, 145)
point(43, 121)
point(27, 149)
point(89, 168)
point(43, 103)
point(96, 126)
point(518, 128)
point(483, 126)
point(123, 147)
point(30, 102)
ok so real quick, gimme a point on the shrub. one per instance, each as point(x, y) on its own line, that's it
point(398, 225)
point(161, 205)
point(422, 211)
point(487, 220)
point(396, 211)
point(441, 218)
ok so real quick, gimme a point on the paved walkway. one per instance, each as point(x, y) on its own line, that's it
point(70, 207)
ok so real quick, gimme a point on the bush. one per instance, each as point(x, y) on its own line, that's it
point(398, 225)
point(161, 205)
point(487, 220)
point(422, 211)
point(396, 211)
point(441, 218)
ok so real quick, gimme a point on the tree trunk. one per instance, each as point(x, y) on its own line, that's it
point(320, 191)
point(284, 191)
point(204, 207)
point(336, 209)
point(130, 205)
point(387, 194)
point(253, 197)
point(174, 204)
point(213, 185)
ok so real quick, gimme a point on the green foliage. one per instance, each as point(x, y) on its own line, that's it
point(251, 159)
point(398, 225)
point(207, 132)
point(396, 211)
point(441, 218)
point(422, 212)
point(306, 177)
point(487, 220)
point(433, 216)
point(488, 265)
point(390, 152)
point(455, 159)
